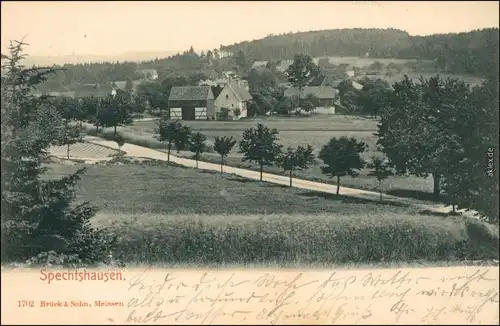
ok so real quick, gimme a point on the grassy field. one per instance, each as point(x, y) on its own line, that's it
point(172, 215)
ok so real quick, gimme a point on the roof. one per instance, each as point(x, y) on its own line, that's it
point(190, 93)
point(259, 64)
point(356, 85)
point(321, 92)
point(241, 92)
point(212, 74)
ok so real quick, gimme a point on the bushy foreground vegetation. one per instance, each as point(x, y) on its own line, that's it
point(285, 239)
point(39, 217)
point(172, 215)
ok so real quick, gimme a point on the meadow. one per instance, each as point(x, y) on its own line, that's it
point(164, 214)
point(315, 131)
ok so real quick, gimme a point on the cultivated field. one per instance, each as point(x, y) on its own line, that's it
point(166, 215)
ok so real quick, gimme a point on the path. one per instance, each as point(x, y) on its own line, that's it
point(144, 152)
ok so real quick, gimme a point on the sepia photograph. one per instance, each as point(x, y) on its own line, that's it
point(250, 162)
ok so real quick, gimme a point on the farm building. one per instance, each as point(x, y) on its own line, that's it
point(191, 103)
point(234, 96)
point(326, 95)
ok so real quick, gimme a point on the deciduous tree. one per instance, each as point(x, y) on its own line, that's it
point(296, 159)
point(380, 170)
point(171, 132)
point(223, 146)
point(197, 145)
point(260, 145)
point(341, 157)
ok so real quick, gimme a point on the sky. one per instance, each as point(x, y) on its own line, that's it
point(110, 28)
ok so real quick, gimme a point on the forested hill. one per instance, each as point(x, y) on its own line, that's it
point(474, 52)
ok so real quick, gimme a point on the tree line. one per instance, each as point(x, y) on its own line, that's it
point(72, 76)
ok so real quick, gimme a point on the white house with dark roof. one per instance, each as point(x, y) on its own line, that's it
point(327, 97)
point(234, 96)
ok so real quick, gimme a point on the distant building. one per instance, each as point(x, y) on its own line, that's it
point(356, 85)
point(259, 64)
point(327, 97)
point(283, 65)
point(149, 74)
point(191, 103)
point(234, 95)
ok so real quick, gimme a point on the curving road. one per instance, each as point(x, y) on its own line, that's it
point(144, 152)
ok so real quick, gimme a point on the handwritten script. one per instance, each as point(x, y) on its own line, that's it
point(421, 296)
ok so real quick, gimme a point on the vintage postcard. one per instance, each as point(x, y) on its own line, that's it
point(253, 163)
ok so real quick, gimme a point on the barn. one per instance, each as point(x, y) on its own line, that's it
point(191, 103)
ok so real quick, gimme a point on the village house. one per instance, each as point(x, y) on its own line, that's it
point(234, 96)
point(191, 103)
point(327, 97)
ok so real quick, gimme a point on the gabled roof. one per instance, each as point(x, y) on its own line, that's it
point(321, 92)
point(241, 92)
point(190, 93)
